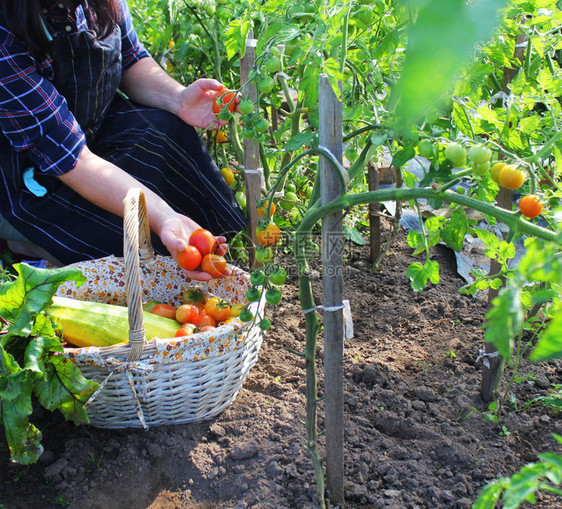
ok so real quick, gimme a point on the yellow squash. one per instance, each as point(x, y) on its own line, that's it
point(86, 323)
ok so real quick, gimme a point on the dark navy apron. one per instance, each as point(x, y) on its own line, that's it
point(154, 146)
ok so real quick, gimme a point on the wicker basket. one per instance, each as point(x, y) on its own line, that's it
point(169, 380)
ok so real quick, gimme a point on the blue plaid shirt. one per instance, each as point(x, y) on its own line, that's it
point(33, 116)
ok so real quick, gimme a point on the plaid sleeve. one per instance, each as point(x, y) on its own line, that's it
point(132, 49)
point(33, 116)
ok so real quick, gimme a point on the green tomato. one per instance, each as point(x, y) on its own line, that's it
point(455, 153)
point(246, 315)
point(257, 277)
point(265, 324)
point(273, 296)
point(288, 201)
point(290, 187)
point(425, 148)
point(246, 107)
point(224, 114)
point(253, 294)
point(278, 277)
point(241, 198)
point(481, 168)
point(479, 154)
point(266, 84)
point(248, 134)
point(273, 64)
point(264, 255)
point(262, 125)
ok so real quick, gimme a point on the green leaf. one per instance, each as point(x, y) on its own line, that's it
point(354, 235)
point(25, 297)
point(299, 140)
point(401, 157)
point(440, 42)
point(64, 388)
point(504, 320)
point(490, 495)
point(455, 230)
point(549, 345)
point(419, 274)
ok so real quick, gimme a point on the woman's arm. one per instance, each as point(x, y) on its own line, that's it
point(147, 83)
point(105, 185)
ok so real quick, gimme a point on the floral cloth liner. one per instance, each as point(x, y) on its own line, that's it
point(161, 280)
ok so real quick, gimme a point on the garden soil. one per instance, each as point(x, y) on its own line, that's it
point(415, 432)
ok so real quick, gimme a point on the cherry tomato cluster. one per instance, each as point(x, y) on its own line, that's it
point(200, 254)
point(197, 312)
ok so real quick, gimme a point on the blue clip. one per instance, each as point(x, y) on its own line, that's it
point(32, 185)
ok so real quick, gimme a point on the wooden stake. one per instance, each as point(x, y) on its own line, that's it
point(374, 217)
point(253, 173)
point(330, 137)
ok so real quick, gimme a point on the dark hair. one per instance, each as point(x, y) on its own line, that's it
point(23, 18)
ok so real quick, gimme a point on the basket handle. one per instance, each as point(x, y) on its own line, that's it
point(136, 247)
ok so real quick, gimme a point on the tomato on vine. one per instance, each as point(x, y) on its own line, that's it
point(225, 96)
point(530, 205)
point(479, 154)
point(511, 177)
point(278, 276)
point(253, 294)
point(246, 107)
point(257, 277)
point(227, 175)
point(266, 84)
point(425, 148)
point(264, 254)
point(246, 315)
point(268, 236)
point(495, 171)
point(455, 153)
point(273, 296)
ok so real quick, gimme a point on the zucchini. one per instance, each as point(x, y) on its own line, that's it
point(86, 323)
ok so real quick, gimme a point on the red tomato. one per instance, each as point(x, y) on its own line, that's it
point(165, 310)
point(189, 258)
point(204, 241)
point(203, 319)
point(218, 308)
point(214, 264)
point(206, 328)
point(227, 97)
point(186, 313)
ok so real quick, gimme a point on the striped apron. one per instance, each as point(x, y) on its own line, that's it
point(154, 146)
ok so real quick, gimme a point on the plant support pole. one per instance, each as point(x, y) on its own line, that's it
point(253, 173)
point(331, 138)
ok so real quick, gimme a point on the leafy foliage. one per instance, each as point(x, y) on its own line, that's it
point(32, 364)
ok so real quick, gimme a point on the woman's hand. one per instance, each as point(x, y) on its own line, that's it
point(175, 232)
point(196, 104)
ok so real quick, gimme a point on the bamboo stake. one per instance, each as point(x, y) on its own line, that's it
point(330, 137)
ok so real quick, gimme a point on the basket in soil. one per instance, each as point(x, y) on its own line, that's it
point(165, 380)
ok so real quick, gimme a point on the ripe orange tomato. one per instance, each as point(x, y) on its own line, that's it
point(203, 319)
point(185, 330)
point(189, 258)
point(225, 96)
point(218, 308)
point(186, 313)
point(263, 207)
point(165, 310)
point(214, 264)
point(511, 177)
point(204, 241)
point(268, 236)
point(530, 205)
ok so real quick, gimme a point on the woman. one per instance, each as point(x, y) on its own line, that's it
point(85, 115)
